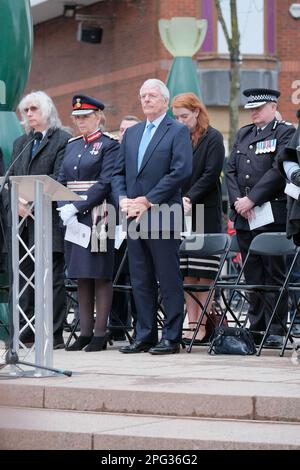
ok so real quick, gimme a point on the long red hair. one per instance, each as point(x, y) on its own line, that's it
point(192, 102)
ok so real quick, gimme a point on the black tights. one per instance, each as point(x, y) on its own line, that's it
point(89, 292)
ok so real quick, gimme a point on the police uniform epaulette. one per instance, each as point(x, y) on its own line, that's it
point(111, 136)
point(75, 138)
point(287, 123)
point(247, 125)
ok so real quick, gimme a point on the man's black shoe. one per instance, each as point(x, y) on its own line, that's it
point(165, 346)
point(136, 347)
point(275, 341)
point(295, 331)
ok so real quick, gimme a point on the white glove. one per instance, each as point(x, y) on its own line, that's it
point(73, 224)
point(66, 212)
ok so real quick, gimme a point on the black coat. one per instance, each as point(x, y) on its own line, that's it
point(293, 206)
point(257, 175)
point(93, 161)
point(204, 187)
point(46, 161)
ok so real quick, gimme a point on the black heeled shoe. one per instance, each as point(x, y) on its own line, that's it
point(80, 343)
point(98, 343)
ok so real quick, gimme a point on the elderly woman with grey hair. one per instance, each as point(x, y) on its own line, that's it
point(42, 157)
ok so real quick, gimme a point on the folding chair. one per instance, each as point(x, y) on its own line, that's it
point(72, 302)
point(205, 245)
point(126, 289)
point(266, 244)
point(293, 288)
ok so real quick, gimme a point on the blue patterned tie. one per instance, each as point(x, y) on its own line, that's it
point(35, 147)
point(144, 143)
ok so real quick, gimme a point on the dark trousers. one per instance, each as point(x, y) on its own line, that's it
point(59, 290)
point(263, 270)
point(149, 261)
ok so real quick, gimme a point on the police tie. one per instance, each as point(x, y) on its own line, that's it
point(144, 143)
point(258, 130)
point(36, 144)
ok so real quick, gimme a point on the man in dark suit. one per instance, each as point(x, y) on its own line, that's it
point(41, 158)
point(252, 180)
point(154, 161)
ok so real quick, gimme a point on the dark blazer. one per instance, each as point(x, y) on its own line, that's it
point(293, 206)
point(204, 186)
point(46, 161)
point(257, 175)
point(167, 163)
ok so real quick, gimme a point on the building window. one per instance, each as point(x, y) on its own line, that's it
point(251, 25)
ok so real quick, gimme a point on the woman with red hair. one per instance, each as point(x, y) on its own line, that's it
point(203, 187)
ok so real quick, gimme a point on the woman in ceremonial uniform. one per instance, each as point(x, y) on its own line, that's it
point(86, 169)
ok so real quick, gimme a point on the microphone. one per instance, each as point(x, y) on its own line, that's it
point(36, 136)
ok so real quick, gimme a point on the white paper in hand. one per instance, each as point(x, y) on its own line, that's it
point(79, 234)
point(292, 190)
point(263, 215)
point(120, 235)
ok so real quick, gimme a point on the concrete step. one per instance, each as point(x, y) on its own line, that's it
point(35, 429)
point(191, 397)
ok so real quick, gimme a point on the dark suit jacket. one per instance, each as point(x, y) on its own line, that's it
point(257, 175)
point(293, 206)
point(167, 163)
point(46, 161)
point(204, 186)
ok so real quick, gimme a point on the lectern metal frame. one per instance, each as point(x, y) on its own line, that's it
point(42, 190)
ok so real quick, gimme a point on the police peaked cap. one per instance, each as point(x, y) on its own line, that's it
point(260, 96)
point(83, 104)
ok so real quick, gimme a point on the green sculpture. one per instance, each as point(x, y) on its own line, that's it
point(16, 39)
point(182, 37)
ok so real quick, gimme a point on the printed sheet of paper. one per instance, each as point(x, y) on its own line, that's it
point(263, 215)
point(79, 234)
point(292, 190)
point(120, 235)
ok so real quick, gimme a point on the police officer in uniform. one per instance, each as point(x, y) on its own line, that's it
point(252, 179)
point(87, 167)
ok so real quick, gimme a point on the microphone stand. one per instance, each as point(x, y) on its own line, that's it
point(11, 356)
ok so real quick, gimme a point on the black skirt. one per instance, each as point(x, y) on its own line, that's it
point(192, 265)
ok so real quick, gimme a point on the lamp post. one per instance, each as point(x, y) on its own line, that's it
point(16, 39)
point(182, 37)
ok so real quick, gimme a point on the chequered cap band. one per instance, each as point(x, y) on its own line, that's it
point(254, 98)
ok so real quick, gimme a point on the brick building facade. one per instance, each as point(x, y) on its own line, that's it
point(131, 51)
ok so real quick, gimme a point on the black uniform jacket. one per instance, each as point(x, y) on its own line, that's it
point(252, 171)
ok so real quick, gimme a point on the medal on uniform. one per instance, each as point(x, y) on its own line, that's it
point(96, 148)
point(267, 146)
